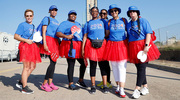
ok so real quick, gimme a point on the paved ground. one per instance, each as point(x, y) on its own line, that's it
point(163, 80)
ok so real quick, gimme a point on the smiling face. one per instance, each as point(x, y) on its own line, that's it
point(103, 14)
point(114, 12)
point(53, 12)
point(94, 12)
point(29, 17)
point(72, 17)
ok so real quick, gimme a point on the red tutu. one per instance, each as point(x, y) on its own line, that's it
point(95, 54)
point(136, 46)
point(52, 44)
point(29, 53)
point(65, 47)
point(116, 51)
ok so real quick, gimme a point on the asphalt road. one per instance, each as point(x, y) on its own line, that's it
point(164, 83)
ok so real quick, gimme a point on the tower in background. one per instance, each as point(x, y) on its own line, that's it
point(89, 5)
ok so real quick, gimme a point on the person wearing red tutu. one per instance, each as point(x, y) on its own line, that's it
point(93, 47)
point(50, 45)
point(139, 34)
point(104, 18)
point(73, 43)
point(116, 50)
point(29, 51)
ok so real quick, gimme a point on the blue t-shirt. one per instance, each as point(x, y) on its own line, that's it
point(132, 30)
point(25, 30)
point(95, 29)
point(65, 28)
point(117, 30)
point(52, 27)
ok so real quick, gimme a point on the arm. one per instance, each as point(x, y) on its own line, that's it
point(83, 44)
point(44, 28)
point(60, 34)
point(147, 41)
point(19, 38)
point(107, 33)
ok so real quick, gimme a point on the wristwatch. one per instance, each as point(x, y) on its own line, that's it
point(146, 44)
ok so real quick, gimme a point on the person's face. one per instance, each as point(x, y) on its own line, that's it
point(94, 13)
point(53, 12)
point(114, 12)
point(29, 17)
point(103, 14)
point(72, 17)
point(133, 14)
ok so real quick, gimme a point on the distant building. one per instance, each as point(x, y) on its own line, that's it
point(89, 5)
point(171, 41)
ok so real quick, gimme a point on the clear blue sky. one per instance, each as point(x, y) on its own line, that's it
point(159, 13)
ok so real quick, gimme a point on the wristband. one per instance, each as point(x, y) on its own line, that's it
point(146, 44)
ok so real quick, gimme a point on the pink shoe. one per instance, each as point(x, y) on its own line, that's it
point(52, 86)
point(46, 87)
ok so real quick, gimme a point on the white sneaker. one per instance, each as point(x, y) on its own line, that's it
point(144, 91)
point(122, 93)
point(136, 94)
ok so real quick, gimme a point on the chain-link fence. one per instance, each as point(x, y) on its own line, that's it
point(168, 36)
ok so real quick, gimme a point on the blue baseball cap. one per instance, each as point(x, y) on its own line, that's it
point(114, 6)
point(133, 8)
point(72, 11)
point(53, 7)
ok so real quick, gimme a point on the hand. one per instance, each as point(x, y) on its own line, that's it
point(28, 41)
point(46, 47)
point(70, 36)
point(146, 49)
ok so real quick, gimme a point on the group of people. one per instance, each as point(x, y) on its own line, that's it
point(100, 40)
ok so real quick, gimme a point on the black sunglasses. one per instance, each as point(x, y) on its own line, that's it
point(113, 10)
point(29, 15)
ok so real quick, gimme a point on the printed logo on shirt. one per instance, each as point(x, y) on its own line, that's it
point(30, 30)
point(96, 26)
point(55, 23)
point(117, 26)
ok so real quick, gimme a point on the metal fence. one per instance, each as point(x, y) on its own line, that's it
point(169, 35)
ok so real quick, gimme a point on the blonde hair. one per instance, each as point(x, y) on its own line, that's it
point(28, 10)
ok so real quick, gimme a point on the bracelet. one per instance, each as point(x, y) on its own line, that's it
point(146, 44)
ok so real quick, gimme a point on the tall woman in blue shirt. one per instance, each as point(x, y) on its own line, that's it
point(139, 34)
point(29, 51)
point(64, 31)
point(94, 30)
point(50, 44)
point(116, 48)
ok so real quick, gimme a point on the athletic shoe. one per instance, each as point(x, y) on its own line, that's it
point(19, 85)
point(100, 84)
point(105, 90)
point(122, 93)
point(81, 84)
point(108, 85)
point(117, 91)
point(93, 90)
point(27, 90)
point(52, 86)
point(144, 91)
point(136, 94)
point(73, 87)
point(46, 87)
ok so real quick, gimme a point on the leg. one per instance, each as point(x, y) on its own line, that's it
point(103, 72)
point(93, 65)
point(81, 70)
point(108, 71)
point(25, 73)
point(70, 70)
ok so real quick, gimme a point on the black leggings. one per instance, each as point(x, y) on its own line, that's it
point(93, 65)
point(107, 69)
point(50, 69)
point(70, 70)
point(141, 74)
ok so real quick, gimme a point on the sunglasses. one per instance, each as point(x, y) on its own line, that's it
point(114, 10)
point(29, 15)
point(103, 13)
